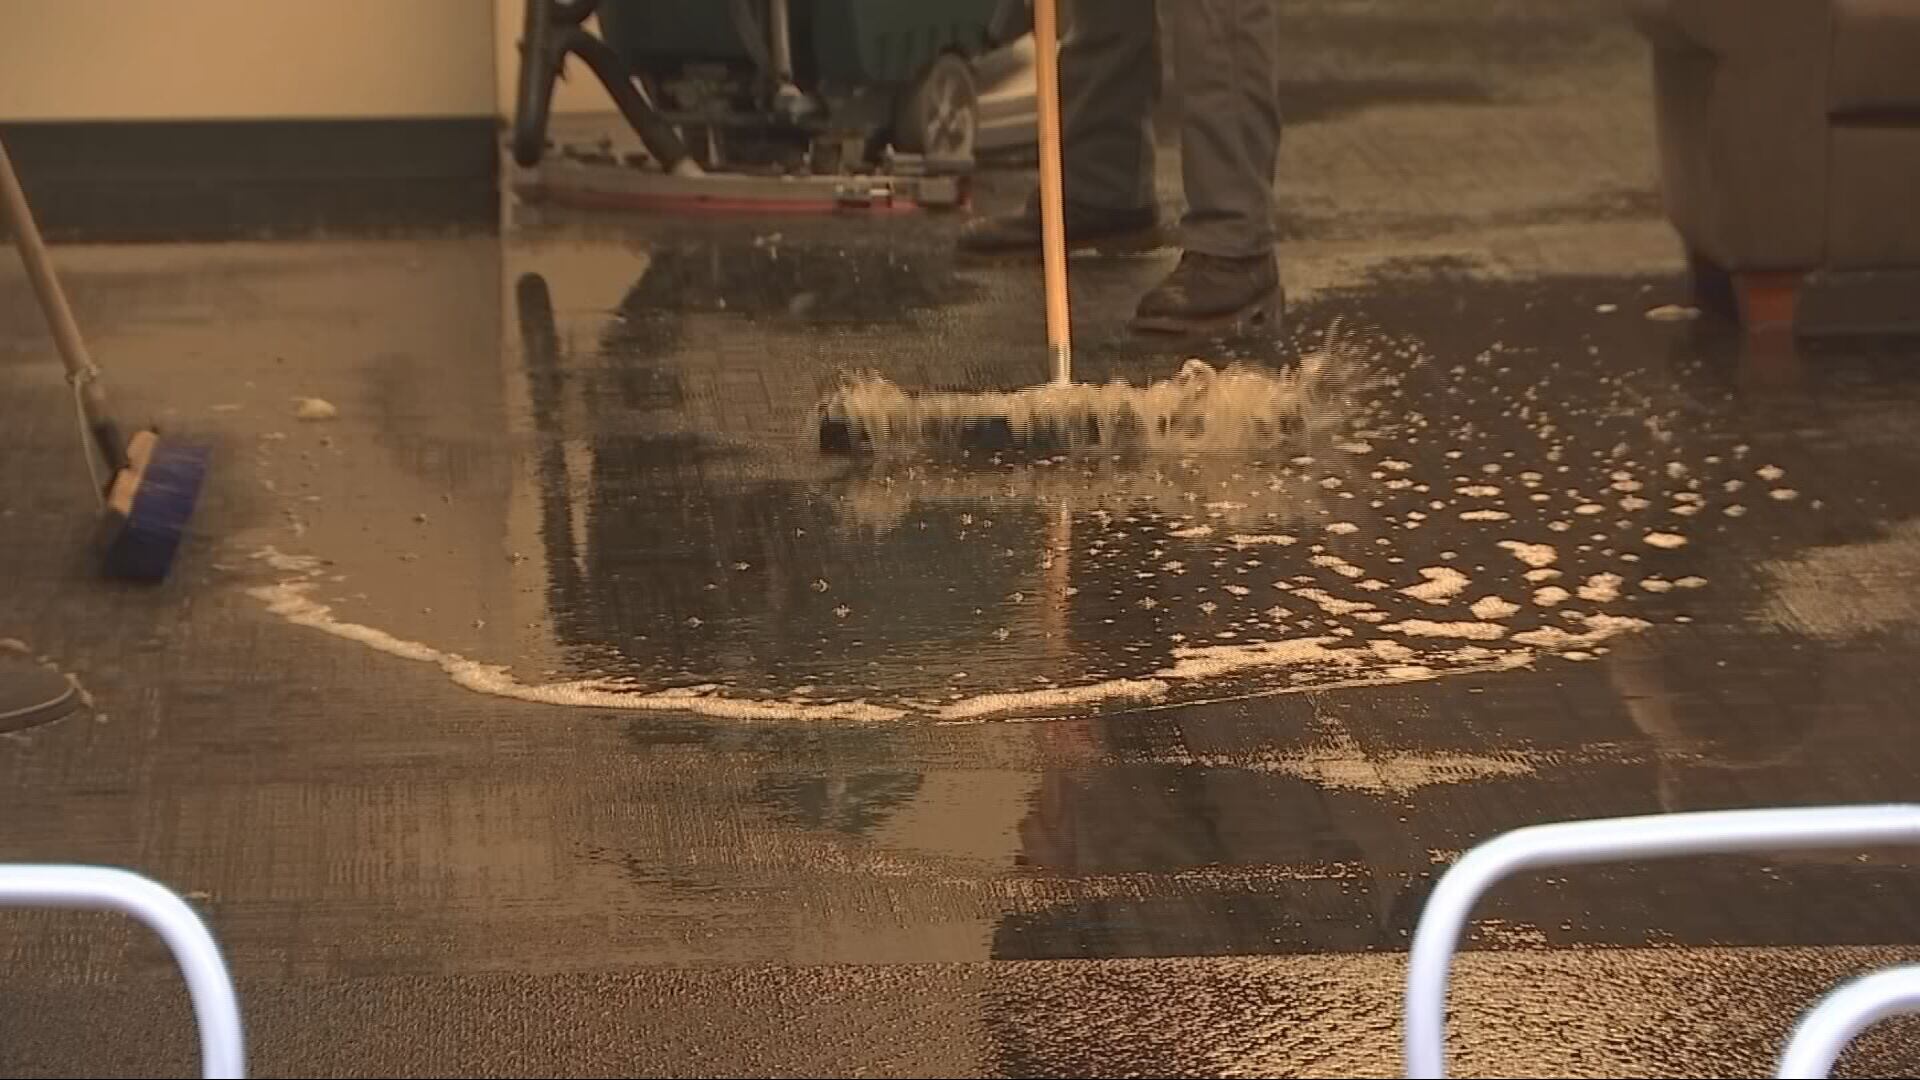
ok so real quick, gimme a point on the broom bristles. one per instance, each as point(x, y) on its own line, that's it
point(144, 542)
point(1200, 408)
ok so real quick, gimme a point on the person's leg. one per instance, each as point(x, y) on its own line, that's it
point(1109, 82)
point(1227, 66)
point(1227, 73)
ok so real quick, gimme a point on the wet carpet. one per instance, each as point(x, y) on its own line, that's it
point(556, 709)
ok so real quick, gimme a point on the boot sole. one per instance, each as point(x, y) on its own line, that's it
point(1265, 313)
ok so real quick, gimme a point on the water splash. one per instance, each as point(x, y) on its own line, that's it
point(1202, 407)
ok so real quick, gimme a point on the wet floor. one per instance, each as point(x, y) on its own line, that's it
point(558, 708)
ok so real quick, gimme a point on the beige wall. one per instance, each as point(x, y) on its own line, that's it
point(228, 59)
point(579, 92)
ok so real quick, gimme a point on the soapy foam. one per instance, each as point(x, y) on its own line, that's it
point(1332, 664)
point(1493, 607)
point(1534, 555)
point(1260, 529)
point(1244, 540)
point(1443, 583)
point(1200, 408)
point(1394, 774)
point(1472, 631)
point(1053, 699)
point(290, 601)
point(1602, 588)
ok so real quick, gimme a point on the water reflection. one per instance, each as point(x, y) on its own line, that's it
point(1443, 514)
point(1696, 498)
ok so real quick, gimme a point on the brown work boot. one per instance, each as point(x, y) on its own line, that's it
point(1019, 233)
point(1213, 292)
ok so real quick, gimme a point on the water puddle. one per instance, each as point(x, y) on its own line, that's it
point(1418, 519)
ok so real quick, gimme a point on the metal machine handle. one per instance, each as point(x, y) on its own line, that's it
point(1842, 1015)
point(1576, 843)
point(98, 888)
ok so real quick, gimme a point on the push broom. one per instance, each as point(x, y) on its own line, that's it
point(1201, 407)
point(868, 410)
point(152, 486)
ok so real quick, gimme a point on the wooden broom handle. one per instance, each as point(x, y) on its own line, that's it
point(1053, 231)
point(18, 219)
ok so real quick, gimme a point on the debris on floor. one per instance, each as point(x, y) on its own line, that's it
point(313, 408)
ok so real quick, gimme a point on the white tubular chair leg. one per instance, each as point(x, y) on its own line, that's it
point(1842, 1015)
point(97, 888)
point(1576, 843)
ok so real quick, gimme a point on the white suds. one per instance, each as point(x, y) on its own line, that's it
point(1664, 540)
point(1492, 607)
point(1550, 596)
point(1783, 494)
point(290, 602)
point(1338, 565)
point(1486, 515)
point(1544, 573)
point(1193, 533)
point(1478, 491)
point(1770, 473)
point(313, 408)
point(1589, 508)
point(1052, 700)
point(1332, 604)
point(1602, 588)
point(1442, 584)
point(1605, 625)
point(1599, 628)
point(1472, 631)
point(1277, 539)
point(1343, 528)
point(1389, 649)
point(1206, 661)
point(1535, 555)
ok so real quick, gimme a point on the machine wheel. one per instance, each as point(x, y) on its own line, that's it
point(940, 116)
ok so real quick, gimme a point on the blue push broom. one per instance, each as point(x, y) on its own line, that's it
point(152, 486)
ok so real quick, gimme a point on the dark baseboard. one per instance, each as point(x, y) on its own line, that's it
point(138, 180)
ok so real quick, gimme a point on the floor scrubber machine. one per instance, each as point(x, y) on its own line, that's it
point(776, 105)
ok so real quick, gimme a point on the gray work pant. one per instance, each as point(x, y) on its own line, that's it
point(1226, 72)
